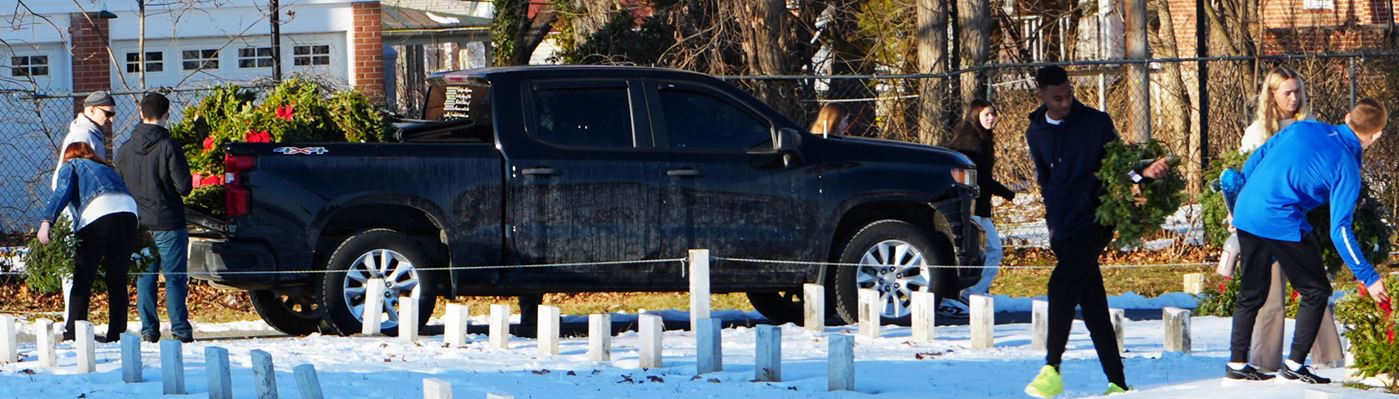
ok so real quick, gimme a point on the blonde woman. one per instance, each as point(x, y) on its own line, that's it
point(832, 119)
point(1282, 101)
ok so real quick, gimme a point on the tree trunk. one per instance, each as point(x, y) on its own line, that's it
point(1134, 13)
point(932, 58)
point(514, 35)
point(974, 17)
point(592, 15)
point(765, 43)
point(1178, 111)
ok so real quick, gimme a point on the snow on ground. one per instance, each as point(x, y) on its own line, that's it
point(359, 367)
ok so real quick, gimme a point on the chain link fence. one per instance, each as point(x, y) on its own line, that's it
point(892, 107)
point(32, 126)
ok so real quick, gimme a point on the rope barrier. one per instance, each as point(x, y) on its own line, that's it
point(838, 264)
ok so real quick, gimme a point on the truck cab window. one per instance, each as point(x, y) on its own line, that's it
point(700, 121)
point(598, 117)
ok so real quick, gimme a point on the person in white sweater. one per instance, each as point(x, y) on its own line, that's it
point(1281, 101)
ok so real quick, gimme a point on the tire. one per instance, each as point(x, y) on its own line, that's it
point(898, 253)
point(784, 307)
point(292, 314)
point(392, 253)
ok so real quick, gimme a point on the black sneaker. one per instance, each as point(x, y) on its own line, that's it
point(184, 339)
point(1303, 374)
point(1247, 373)
point(152, 338)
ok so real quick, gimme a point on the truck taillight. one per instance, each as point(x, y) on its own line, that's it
point(236, 199)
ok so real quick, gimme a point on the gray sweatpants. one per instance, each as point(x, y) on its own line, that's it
point(1265, 352)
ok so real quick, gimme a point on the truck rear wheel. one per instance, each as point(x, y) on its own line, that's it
point(290, 312)
point(894, 258)
point(783, 307)
point(378, 253)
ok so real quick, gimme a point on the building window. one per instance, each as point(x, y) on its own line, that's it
point(311, 55)
point(200, 59)
point(155, 62)
point(1318, 4)
point(29, 65)
point(255, 57)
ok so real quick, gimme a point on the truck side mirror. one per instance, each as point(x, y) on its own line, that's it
point(786, 141)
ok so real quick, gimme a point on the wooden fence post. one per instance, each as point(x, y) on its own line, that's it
point(218, 373)
point(768, 365)
point(43, 338)
point(651, 330)
point(548, 334)
point(1177, 325)
point(373, 307)
point(86, 346)
point(600, 337)
point(709, 349)
point(841, 363)
point(500, 326)
point(924, 316)
point(307, 382)
point(814, 302)
point(172, 367)
point(869, 312)
point(1039, 324)
point(436, 389)
point(983, 322)
point(264, 375)
point(131, 358)
point(458, 318)
point(699, 286)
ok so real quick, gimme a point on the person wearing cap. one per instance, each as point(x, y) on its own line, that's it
point(98, 110)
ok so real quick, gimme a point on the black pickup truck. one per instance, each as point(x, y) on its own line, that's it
point(570, 164)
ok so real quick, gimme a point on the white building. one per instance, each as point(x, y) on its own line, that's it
point(55, 51)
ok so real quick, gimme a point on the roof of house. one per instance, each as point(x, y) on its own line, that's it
point(412, 20)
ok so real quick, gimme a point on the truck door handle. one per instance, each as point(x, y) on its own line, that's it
point(539, 171)
point(685, 172)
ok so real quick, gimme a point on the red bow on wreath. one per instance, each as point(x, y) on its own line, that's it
point(1224, 286)
point(208, 143)
point(284, 112)
point(258, 137)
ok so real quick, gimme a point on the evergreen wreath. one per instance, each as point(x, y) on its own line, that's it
point(1136, 209)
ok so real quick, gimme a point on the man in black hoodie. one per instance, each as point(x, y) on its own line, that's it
point(1066, 142)
point(156, 172)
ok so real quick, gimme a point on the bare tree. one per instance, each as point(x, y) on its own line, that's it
point(974, 20)
point(932, 58)
point(1177, 96)
point(514, 34)
point(765, 25)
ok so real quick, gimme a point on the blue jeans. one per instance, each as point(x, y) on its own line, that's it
point(994, 253)
point(173, 246)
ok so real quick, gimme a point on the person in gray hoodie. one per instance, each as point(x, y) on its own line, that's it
point(98, 110)
point(154, 168)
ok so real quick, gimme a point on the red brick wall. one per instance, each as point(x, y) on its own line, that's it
point(367, 69)
point(1289, 28)
point(92, 69)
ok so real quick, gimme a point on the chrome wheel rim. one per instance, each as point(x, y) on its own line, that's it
point(400, 279)
point(895, 269)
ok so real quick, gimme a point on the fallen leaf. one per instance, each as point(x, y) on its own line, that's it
point(654, 378)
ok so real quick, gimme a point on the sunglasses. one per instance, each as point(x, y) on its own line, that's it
point(109, 113)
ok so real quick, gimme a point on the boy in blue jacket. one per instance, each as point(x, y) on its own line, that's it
point(1304, 166)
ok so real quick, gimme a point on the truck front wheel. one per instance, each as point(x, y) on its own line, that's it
point(384, 254)
point(895, 259)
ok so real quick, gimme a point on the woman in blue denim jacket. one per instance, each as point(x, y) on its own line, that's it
point(105, 225)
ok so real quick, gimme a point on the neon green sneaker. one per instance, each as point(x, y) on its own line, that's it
point(1114, 389)
point(1047, 384)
